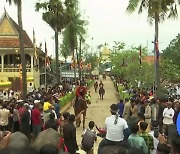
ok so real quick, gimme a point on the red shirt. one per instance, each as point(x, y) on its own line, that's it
point(36, 116)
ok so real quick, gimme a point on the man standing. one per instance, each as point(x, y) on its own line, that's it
point(127, 109)
point(36, 119)
point(117, 129)
point(147, 114)
point(147, 138)
point(69, 132)
point(25, 118)
point(168, 115)
point(4, 117)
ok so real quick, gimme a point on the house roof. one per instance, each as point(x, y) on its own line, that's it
point(9, 33)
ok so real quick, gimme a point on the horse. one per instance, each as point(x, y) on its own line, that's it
point(80, 105)
point(101, 92)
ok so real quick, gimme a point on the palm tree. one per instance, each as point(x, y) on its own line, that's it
point(74, 29)
point(55, 15)
point(18, 3)
point(158, 11)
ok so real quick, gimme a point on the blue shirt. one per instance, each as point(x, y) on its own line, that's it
point(121, 108)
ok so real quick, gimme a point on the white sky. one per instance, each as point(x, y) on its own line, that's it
point(108, 22)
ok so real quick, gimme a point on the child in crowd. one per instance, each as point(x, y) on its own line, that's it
point(89, 136)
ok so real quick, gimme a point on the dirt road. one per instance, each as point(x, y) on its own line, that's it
point(98, 110)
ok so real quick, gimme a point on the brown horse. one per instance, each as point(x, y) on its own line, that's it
point(79, 106)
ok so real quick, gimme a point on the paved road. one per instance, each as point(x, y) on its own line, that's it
point(98, 110)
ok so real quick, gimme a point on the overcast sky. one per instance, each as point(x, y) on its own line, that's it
point(108, 22)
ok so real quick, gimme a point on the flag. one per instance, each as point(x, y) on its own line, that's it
point(157, 49)
point(72, 62)
point(47, 61)
point(34, 44)
point(140, 55)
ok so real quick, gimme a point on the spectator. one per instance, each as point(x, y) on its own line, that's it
point(168, 115)
point(120, 107)
point(52, 122)
point(135, 140)
point(127, 109)
point(25, 118)
point(15, 118)
point(69, 132)
point(49, 149)
point(116, 129)
point(89, 136)
point(147, 138)
point(36, 119)
point(155, 134)
point(4, 117)
point(57, 108)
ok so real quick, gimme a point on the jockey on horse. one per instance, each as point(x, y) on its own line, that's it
point(80, 103)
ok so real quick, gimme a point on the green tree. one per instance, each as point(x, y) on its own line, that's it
point(18, 3)
point(55, 14)
point(172, 51)
point(74, 29)
point(157, 11)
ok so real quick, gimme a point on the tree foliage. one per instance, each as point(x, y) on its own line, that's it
point(172, 52)
point(126, 64)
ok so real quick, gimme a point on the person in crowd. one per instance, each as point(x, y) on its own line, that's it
point(15, 118)
point(30, 88)
point(147, 138)
point(127, 109)
point(89, 137)
point(69, 132)
point(154, 109)
point(57, 108)
point(176, 110)
point(95, 86)
point(36, 119)
point(46, 108)
point(175, 145)
point(168, 115)
point(52, 122)
point(155, 134)
point(49, 149)
point(160, 114)
point(4, 117)
point(135, 140)
point(25, 118)
point(120, 108)
point(117, 129)
point(147, 114)
point(134, 108)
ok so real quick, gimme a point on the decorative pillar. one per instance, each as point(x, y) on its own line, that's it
point(32, 59)
point(2, 62)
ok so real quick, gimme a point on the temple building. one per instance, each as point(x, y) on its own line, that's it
point(10, 59)
point(105, 54)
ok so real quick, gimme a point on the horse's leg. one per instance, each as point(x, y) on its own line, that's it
point(84, 118)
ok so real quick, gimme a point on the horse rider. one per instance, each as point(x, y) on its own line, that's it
point(95, 86)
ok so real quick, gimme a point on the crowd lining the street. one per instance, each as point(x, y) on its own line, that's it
point(139, 123)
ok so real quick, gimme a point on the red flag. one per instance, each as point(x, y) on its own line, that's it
point(47, 64)
point(140, 55)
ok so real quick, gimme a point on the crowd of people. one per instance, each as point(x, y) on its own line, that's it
point(139, 123)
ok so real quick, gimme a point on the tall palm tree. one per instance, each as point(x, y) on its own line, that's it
point(55, 15)
point(74, 29)
point(157, 11)
point(18, 3)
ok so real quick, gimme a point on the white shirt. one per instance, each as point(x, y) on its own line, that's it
point(156, 142)
point(168, 115)
point(115, 131)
